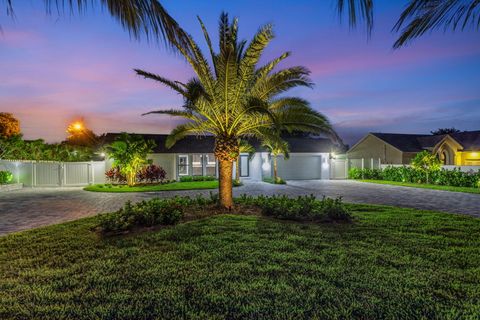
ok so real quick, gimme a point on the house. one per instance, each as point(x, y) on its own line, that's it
point(460, 149)
point(193, 156)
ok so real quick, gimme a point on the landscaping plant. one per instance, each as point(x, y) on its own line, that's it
point(6, 177)
point(129, 154)
point(426, 162)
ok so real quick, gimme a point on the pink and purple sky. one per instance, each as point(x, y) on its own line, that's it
point(55, 69)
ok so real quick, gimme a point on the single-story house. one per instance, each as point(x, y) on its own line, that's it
point(460, 149)
point(193, 156)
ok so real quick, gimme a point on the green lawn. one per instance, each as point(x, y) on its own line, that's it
point(425, 186)
point(152, 188)
point(389, 263)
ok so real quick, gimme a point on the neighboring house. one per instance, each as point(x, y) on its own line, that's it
point(309, 158)
point(461, 149)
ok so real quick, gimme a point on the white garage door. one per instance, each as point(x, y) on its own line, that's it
point(299, 167)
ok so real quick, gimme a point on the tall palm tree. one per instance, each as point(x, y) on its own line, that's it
point(229, 98)
point(147, 17)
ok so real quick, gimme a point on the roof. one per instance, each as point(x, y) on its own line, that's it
point(205, 144)
point(469, 140)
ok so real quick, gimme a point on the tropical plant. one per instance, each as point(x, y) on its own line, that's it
point(426, 162)
point(243, 147)
point(129, 154)
point(147, 17)
point(230, 97)
point(276, 146)
point(5, 177)
point(9, 125)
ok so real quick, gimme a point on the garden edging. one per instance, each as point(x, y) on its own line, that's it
point(11, 187)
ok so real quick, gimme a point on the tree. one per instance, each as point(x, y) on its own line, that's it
point(147, 17)
point(243, 147)
point(426, 162)
point(444, 131)
point(129, 153)
point(80, 135)
point(230, 97)
point(276, 147)
point(9, 125)
point(419, 16)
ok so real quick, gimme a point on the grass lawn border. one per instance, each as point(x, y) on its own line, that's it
point(424, 186)
point(174, 186)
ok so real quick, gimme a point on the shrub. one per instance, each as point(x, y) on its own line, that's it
point(196, 178)
point(278, 180)
point(355, 173)
point(303, 208)
point(5, 177)
point(151, 174)
point(115, 176)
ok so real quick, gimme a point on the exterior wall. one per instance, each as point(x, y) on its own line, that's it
point(167, 161)
point(373, 147)
point(407, 157)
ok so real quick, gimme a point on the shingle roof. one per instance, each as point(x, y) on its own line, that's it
point(470, 140)
point(205, 144)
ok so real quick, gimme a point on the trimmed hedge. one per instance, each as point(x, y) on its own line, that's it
point(5, 177)
point(196, 178)
point(453, 178)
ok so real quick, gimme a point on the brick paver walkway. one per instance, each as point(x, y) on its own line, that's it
point(31, 208)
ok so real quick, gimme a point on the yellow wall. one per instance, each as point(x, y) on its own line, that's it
point(467, 158)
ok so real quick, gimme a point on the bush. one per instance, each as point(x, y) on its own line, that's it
point(151, 174)
point(357, 173)
point(115, 176)
point(303, 208)
point(278, 180)
point(196, 178)
point(6, 177)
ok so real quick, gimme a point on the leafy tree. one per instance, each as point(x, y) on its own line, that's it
point(276, 147)
point(129, 153)
point(9, 125)
point(243, 147)
point(426, 162)
point(80, 135)
point(230, 97)
point(444, 131)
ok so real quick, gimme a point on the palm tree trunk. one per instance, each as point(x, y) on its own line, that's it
point(225, 184)
point(275, 168)
point(237, 169)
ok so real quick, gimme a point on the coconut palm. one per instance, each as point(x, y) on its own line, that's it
point(243, 147)
point(229, 98)
point(147, 17)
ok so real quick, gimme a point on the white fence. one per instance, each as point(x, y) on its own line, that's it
point(55, 174)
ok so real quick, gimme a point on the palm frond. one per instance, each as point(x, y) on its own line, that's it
point(175, 85)
point(422, 16)
point(357, 10)
point(182, 130)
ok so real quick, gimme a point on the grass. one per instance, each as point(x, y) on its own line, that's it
point(425, 186)
point(390, 263)
point(156, 187)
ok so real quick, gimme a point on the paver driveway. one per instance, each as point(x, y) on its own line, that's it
point(30, 208)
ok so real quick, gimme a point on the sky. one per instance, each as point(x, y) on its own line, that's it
point(58, 68)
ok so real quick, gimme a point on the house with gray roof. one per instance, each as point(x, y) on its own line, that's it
point(461, 148)
point(193, 156)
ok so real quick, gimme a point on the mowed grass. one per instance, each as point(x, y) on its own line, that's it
point(425, 186)
point(193, 185)
point(389, 263)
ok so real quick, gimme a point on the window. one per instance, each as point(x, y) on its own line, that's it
point(244, 166)
point(197, 165)
point(183, 165)
point(210, 164)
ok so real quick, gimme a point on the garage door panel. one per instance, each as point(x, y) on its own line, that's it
point(300, 167)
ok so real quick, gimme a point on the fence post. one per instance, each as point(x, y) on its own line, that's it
point(93, 172)
point(346, 168)
point(379, 163)
point(363, 167)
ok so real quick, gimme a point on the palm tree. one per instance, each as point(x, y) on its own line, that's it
point(276, 146)
point(243, 147)
point(422, 16)
point(147, 17)
point(418, 17)
point(229, 98)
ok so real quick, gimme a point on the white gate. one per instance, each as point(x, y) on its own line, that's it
point(339, 169)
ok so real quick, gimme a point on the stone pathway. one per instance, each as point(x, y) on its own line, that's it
point(31, 208)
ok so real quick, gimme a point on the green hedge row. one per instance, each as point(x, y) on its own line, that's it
point(196, 178)
point(454, 178)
